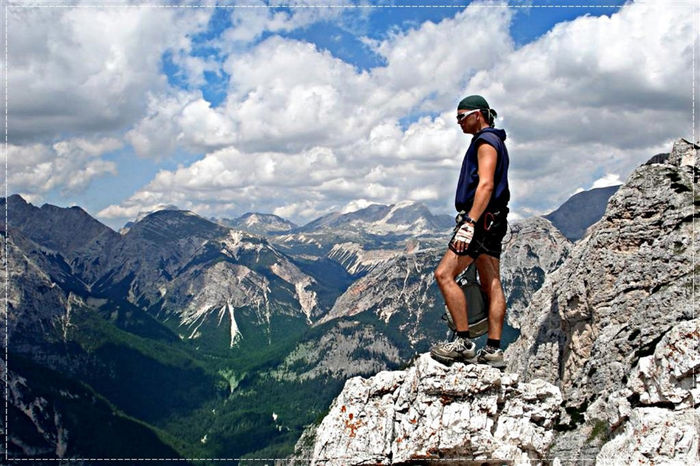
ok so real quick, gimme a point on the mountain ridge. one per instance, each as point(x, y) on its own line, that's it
point(259, 223)
point(581, 211)
point(380, 218)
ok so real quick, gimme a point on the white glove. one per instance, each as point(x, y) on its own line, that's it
point(465, 233)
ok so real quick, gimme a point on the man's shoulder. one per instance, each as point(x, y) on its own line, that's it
point(489, 138)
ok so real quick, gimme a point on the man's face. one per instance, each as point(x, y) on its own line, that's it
point(468, 120)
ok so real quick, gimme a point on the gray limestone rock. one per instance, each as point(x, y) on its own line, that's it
point(684, 153)
point(655, 436)
point(356, 260)
point(37, 308)
point(533, 250)
point(655, 418)
point(258, 223)
point(431, 411)
point(624, 287)
point(611, 327)
point(667, 376)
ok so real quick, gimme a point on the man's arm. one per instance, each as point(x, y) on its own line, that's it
point(488, 157)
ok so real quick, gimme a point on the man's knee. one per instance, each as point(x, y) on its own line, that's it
point(443, 274)
point(450, 266)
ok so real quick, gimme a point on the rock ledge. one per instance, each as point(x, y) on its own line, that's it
point(431, 411)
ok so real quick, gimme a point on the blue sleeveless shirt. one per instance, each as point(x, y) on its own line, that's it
point(469, 175)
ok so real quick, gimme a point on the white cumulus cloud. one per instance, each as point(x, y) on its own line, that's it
point(88, 70)
point(593, 94)
point(301, 131)
point(611, 179)
point(287, 99)
point(69, 166)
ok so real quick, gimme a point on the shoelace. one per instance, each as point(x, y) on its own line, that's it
point(456, 345)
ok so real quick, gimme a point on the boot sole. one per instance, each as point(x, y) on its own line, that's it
point(449, 361)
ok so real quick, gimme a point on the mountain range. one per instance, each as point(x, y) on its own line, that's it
point(182, 337)
point(258, 224)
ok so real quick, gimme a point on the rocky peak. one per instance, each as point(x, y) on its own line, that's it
point(259, 224)
point(166, 226)
point(403, 218)
point(625, 286)
point(410, 212)
point(581, 211)
point(65, 230)
point(434, 412)
point(533, 249)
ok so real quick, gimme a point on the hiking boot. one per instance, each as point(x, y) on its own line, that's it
point(459, 350)
point(491, 356)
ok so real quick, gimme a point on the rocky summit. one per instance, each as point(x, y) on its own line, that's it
point(431, 411)
point(611, 337)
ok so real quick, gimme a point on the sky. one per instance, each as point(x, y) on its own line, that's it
point(303, 108)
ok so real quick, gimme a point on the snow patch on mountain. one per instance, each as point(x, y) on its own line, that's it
point(299, 238)
point(252, 220)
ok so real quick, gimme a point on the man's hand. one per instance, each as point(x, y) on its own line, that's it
point(463, 237)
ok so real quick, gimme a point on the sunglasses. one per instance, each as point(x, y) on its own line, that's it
point(462, 116)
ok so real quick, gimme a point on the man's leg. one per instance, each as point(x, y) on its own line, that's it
point(462, 348)
point(450, 266)
point(489, 274)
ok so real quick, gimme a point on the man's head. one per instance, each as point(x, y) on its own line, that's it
point(474, 114)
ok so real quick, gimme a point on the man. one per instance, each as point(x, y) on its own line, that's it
point(482, 202)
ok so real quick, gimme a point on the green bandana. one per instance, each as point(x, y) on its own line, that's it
point(474, 102)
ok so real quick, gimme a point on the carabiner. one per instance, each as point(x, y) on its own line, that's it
point(489, 219)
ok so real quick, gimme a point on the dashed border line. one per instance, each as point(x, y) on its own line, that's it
point(337, 6)
point(696, 18)
point(343, 6)
point(6, 261)
point(289, 460)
